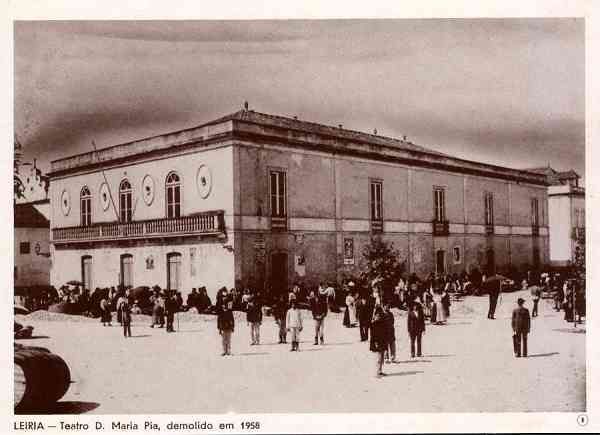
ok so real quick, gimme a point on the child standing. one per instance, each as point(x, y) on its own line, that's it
point(254, 318)
point(226, 325)
point(390, 334)
point(294, 325)
point(378, 339)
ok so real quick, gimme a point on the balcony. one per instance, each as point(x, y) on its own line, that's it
point(377, 226)
point(279, 223)
point(535, 230)
point(578, 234)
point(207, 223)
point(440, 228)
point(489, 229)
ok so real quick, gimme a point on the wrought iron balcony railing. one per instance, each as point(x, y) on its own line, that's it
point(440, 228)
point(278, 223)
point(535, 230)
point(377, 226)
point(207, 223)
point(489, 229)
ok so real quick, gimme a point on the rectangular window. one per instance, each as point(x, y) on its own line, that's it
point(439, 204)
point(24, 248)
point(376, 195)
point(535, 212)
point(86, 272)
point(489, 208)
point(278, 194)
point(127, 270)
point(174, 271)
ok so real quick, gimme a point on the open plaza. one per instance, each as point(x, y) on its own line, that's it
point(467, 366)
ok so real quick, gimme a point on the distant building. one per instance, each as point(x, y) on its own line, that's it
point(270, 200)
point(566, 212)
point(31, 245)
point(35, 185)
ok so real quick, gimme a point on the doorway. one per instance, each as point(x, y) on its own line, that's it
point(86, 272)
point(440, 262)
point(279, 273)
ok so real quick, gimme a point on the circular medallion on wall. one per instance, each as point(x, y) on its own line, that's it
point(65, 202)
point(204, 181)
point(148, 189)
point(104, 196)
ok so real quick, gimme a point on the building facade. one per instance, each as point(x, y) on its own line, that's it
point(271, 200)
point(31, 245)
point(566, 214)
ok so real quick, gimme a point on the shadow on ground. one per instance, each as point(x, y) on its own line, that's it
point(414, 372)
point(539, 355)
point(571, 330)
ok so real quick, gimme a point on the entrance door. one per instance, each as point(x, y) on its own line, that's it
point(440, 261)
point(173, 271)
point(491, 262)
point(279, 272)
point(86, 272)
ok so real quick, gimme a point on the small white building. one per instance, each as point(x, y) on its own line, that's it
point(566, 214)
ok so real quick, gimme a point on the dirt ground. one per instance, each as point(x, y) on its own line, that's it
point(468, 366)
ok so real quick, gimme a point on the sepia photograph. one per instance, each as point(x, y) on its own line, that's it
point(299, 216)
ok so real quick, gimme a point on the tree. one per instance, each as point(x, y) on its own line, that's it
point(19, 189)
point(381, 262)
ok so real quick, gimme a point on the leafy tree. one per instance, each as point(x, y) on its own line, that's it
point(19, 189)
point(382, 263)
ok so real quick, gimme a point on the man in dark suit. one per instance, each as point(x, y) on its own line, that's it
point(416, 327)
point(494, 289)
point(521, 323)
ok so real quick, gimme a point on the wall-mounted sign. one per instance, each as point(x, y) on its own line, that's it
point(148, 189)
point(300, 265)
point(104, 196)
point(348, 251)
point(65, 202)
point(204, 181)
point(149, 262)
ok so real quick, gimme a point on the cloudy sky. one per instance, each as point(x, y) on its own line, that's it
point(504, 91)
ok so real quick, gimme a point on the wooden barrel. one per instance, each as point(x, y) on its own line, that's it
point(41, 378)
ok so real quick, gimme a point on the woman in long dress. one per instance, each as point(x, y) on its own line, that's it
point(440, 313)
point(351, 310)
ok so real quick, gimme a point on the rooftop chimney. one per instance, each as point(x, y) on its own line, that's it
point(375, 132)
point(246, 105)
point(340, 126)
point(295, 117)
point(404, 138)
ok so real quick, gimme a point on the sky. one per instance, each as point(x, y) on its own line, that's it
point(503, 91)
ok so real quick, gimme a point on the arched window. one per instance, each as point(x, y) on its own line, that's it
point(86, 206)
point(125, 201)
point(173, 187)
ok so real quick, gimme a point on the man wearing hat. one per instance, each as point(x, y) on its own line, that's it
point(521, 323)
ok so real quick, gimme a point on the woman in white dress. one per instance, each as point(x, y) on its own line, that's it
point(440, 313)
point(351, 304)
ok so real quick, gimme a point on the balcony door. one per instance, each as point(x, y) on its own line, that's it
point(174, 271)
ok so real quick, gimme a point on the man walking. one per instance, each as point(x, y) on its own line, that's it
point(254, 318)
point(536, 294)
point(416, 327)
point(364, 314)
point(521, 323)
point(318, 307)
point(170, 309)
point(494, 292)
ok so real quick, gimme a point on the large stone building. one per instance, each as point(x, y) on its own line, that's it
point(272, 199)
point(566, 214)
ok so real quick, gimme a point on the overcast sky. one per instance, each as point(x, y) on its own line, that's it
point(504, 91)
